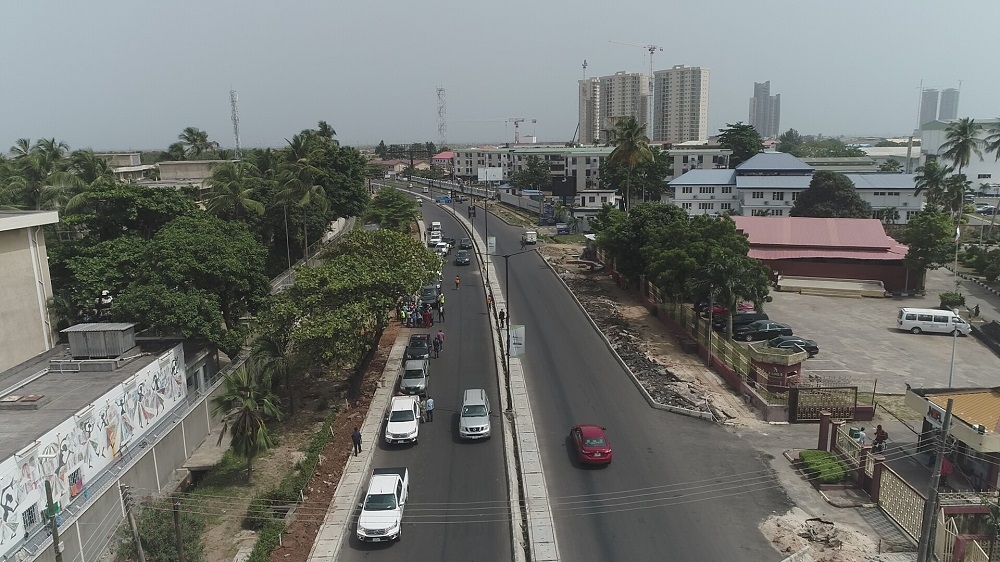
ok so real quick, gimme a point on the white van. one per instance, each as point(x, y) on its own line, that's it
point(918, 320)
point(435, 226)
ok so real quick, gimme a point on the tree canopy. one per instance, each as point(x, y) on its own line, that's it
point(535, 175)
point(631, 150)
point(930, 236)
point(393, 210)
point(648, 178)
point(831, 194)
point(743, 140)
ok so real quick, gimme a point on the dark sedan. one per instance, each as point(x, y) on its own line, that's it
point(465, 244)
point(419, 347)
point(794, 342)
point(761, 330)
point(462, 257)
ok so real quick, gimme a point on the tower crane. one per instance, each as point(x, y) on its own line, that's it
point(517, 122)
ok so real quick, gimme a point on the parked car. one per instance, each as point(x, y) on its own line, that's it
point(591, 444)
point(761, 330)
point(720, 322)
point(449, 241)
point(721, 309)
point(462, 257)
point(429, 294)
point(434, 238)
point(465, 244)
point(416, 376)
point(474, 419)
point(794, 342)
point(381, 516)
point(987, 210)
point(403, 422)
point(419, 347)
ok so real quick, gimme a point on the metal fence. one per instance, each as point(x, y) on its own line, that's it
point(901, 502)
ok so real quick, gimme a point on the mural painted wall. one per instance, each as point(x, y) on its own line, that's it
point(79, 449)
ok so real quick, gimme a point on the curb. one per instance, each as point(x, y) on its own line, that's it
point(337, 521)
point(708, 416)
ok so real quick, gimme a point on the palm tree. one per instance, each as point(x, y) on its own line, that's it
point(631, 149)
point(731, 278)
point(992, 141)
point(272, 353)
point(21, 148)
point(962, 141)
point(175, 152)
point(196, 141)
point(325, 130)
point(956, 187)
point(931, 178)
point(300, 188)
point(233, 186)
point(246, 405)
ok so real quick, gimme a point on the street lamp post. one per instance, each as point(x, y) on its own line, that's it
point(506, 273)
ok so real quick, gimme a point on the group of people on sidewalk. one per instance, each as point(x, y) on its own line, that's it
point(412, 314)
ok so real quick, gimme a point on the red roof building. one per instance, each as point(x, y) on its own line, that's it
point(830, 248)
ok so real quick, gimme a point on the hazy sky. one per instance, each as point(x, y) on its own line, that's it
point(131, 75)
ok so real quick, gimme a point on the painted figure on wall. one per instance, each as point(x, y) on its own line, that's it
point(175, 375)
point(9, 520)
point(126, 423)
point(28, 483)
point(109, 423)
point(54, 468)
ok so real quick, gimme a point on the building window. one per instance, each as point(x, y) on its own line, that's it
point(706, 206)
point(984, 176)
point(686, 189)
point(795, 195)
point(593, 198)
point(685, 205)
point(778, 196)
point(893, 194)
point(706, 189)
point(778, 212)
point(726, 206)
point(604, 199)
point(757, 195)
point(30, 518)
point(727, 190)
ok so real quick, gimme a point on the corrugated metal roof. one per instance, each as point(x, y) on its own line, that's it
point(832, 233)
point(777, 161)
point(767, 253)
point(882, 180)
point(99, 327)
point(974, 408)
point(706, 177)
point(772, 182)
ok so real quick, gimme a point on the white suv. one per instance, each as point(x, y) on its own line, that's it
point(403, 423)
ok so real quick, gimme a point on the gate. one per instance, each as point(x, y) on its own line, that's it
point(805, 403)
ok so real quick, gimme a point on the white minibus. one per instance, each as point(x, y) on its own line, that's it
point(918, 320)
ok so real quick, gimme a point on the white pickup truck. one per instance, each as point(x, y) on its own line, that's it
point(382, 511)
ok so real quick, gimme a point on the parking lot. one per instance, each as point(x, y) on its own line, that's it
point(857, 337)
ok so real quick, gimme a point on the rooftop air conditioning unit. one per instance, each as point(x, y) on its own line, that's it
point(712, 197)
point(906, 203)
point(767, 202)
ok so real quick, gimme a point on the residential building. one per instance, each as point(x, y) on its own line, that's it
point(680, 104)
point(769, 183)
point(26, 329)
point(623, 94)
point(127, 166)
point(928, 106)
point(949, 104)
point(191, 172)
point(589, 113)
point(596, 198)
point(765, 111)
point(90, 416)
point(119, 159)
point(443, 159)
point(981, 172)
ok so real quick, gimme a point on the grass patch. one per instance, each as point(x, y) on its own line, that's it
point(823, 466)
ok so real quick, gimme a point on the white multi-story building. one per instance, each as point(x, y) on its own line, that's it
point(590, 110)
point(705, 157)
point(983, 173)
point(680, 104)
point(623, 94)
point(769, 184)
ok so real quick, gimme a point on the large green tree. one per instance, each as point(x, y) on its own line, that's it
point(625, 235)
point(535, 174)
point(199, 277)
point(930, 237)
point(730, 278)
point(743, 140)
point(991, 143)
point(393, 210)
point(196, 142)
point(962, 141)
point(790, 142)
point(932, 178)
point(233, 190)
point(631, 149)
point(648, 178)
point(831, 194)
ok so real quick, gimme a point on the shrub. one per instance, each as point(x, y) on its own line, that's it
point(823, 466)
point(952, 299)
point(156, 527)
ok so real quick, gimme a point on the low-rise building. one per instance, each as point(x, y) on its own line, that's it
point(934, 135)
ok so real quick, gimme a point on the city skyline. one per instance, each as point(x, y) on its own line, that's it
point(765, 111)
point(357, 67)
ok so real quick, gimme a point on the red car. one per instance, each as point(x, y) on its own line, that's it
point(591, 443)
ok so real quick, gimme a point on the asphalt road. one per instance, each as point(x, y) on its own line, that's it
point(458, 508)
point(678, 488)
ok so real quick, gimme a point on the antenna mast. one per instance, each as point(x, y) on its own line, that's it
point(584, 69)
point(233, 99)
point(442, 118)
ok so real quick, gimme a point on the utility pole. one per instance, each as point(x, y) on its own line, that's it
point(926, 546)
point(177, 532)
point(127, 501)
point(52, 521)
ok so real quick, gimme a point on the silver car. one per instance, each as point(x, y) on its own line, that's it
point(474, 421)
point(415, 376)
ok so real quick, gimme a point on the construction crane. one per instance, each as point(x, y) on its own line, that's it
point(517, 122)
point(652, 50)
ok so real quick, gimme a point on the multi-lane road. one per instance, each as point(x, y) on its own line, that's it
point(679, 488)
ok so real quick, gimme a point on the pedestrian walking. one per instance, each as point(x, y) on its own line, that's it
point(429, 408)
point(489, 302)
point(862, 436)
point(436, 346)
point(503, 318)
point(946, 470)
point(440, 338)
point(356, 439)
point(440, 313)
point(457, 281)
point(975, 312)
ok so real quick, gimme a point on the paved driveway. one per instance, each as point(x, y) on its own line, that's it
point(858, 338)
